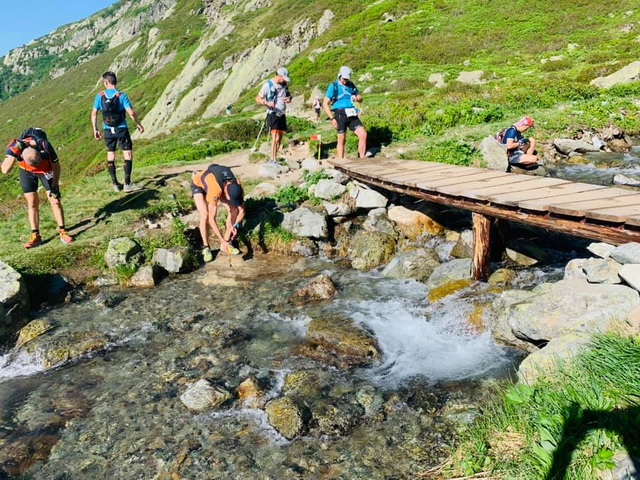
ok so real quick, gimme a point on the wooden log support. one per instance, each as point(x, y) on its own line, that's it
point(481, 267)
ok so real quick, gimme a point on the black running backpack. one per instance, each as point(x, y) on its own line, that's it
point(112, 112)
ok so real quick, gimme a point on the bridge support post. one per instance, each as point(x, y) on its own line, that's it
point(481, 267)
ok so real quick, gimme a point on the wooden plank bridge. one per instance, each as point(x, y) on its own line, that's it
point(605, 214)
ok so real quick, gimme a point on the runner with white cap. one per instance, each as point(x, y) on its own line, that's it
point(275, 95)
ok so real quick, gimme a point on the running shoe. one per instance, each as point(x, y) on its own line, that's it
point(65, 237)
point(34, 240)
point(207, 256)
point(132, 187)
point(117, 187)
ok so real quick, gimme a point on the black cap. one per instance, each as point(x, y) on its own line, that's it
point(235, 194)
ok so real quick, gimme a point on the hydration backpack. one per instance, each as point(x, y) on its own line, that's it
point(334, 96)
point(39, 136)
point(112, 111)
point(500, 135)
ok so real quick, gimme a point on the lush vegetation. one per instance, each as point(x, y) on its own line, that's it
point(569, 425)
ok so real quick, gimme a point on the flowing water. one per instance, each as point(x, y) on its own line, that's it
point(116, 413)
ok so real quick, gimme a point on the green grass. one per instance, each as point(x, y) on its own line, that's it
point(573, 422)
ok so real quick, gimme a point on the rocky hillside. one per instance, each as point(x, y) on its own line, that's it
point(428, 70)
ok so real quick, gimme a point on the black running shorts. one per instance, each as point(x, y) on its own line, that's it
point(343, 121)
point(277, 122)
point(121, 136)
point(29, 180)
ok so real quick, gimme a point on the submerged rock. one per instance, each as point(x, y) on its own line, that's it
point(285, 416)
point(330, 417)
point(55, 350)
point(203, 395)
point(336, 340)
point(250, 392)
point(319, 288)
point(34, 329)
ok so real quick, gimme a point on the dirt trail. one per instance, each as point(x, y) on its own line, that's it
point(238, 161)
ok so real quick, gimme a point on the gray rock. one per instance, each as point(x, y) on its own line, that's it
point(625, 468)
point(501, 276)
point(437, 80)
point(378, 221)
point(146, 276)
point(367, 198)
point(123, 251)
point(464, 246)
point(292, 164)
point(173, 260)
point(601, 249)
point(263, 189)
point(370, 249)
point(544, 362)
point(627, 253)
point(203, 395)
point(306, 222)
point(472, 78)
point(329, 190)
point(630, 273)
point(626, 74)
point(569, 306)
point(600, 270)
point(567, 146)
point(575, 269)
point(311, 165)
point(305, 247)
point(337, 176)
point(337, 209)
point(459, 269)
point(417, 264)
point(271, 171)
point(494, 154)
point(370, 400)
point(619, 179)
point(14, 302)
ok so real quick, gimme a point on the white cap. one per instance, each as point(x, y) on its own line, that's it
point(345, 72)
point(284, 73)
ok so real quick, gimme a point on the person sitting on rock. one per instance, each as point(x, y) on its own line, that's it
point(520, 150)
point(217, 183)
point(38, 163)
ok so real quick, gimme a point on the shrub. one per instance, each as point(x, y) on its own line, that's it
point(451, 151)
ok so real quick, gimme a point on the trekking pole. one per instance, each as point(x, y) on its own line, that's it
point(253, 149)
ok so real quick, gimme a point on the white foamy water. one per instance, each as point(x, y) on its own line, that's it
point(18, 364)
point(439, 347)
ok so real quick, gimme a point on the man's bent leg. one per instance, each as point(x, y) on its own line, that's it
point(340, 147)
point(361, 133)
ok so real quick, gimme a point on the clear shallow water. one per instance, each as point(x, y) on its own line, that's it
point(601, 167)
point(117, 413)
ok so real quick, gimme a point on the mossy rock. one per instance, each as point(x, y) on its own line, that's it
point(285, 416)
point(34, 329)
point(368, 250)
point(447, 289)
point(54, 351)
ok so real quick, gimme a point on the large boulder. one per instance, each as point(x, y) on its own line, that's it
point(569, 306)
point(417, 264)
point(365, 197)
point(567, 146)
point(626, 74)
point(412, 223)
point(34, 329)
point(14, 302)
point(52, 350)
point(122, 251)
point(626, 253)
point(336, 340)
point(378, 221)
point(370, 249)
point(544, 362)
point(306, 222)
point(204, 395)
point(173, 260)
point(494, 154)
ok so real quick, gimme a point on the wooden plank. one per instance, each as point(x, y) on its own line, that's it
point(570, 191)
point(615, 214)
point(498, 179)
point(434, 183)
point(419, 174)
point(574, 204)
point(581, 208)
point(546, 187)
point(381, 169)
point(633, 221)
point(517, 184)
